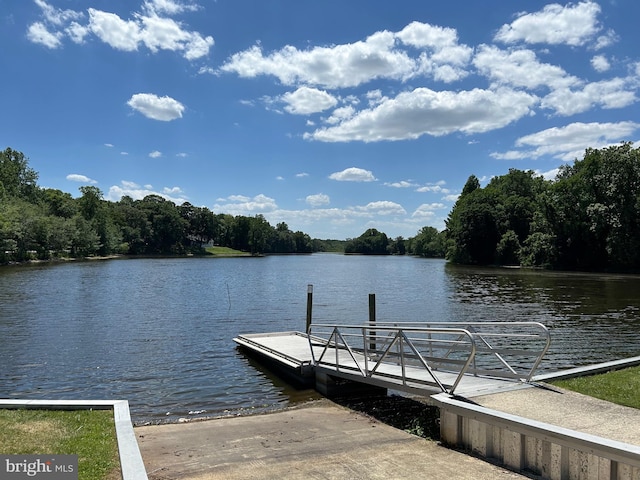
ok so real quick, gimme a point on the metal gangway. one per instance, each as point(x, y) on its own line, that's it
point(437, 355)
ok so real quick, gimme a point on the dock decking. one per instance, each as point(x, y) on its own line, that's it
point(292, 351)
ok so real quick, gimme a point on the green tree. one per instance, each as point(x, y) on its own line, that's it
point(371, 242)
point(17, 179)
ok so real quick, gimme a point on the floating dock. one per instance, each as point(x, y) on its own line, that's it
point(459, 368)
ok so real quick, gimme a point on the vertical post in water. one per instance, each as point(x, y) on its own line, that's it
point(372, 320)
point(309, 305)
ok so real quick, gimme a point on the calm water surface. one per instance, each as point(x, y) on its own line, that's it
point(158, 332)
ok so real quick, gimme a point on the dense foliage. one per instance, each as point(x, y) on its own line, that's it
point(427, 243)
point(37, 223)
point(586, 219)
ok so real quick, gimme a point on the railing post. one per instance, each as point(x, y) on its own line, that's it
point(309, 306)
point(372, 320)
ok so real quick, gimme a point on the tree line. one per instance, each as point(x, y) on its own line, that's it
point(587, 219)
point(41, 223)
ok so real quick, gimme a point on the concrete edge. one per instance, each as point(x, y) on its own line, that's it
point(615, 450)
point(131, 463)
point(588, 370)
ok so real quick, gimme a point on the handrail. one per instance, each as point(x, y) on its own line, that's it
point(543, 335)
point(337, 341)
point(452, 347)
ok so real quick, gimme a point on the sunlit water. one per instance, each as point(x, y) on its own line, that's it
point(158, 332)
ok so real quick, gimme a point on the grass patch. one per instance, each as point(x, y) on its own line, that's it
point(90, 434)
point(619, 386)
point(226, 251)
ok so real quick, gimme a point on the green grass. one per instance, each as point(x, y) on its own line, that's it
point(225, 251)
point(620, 386)
point(90, 434)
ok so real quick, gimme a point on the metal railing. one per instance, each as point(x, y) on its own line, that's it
point(404, 351)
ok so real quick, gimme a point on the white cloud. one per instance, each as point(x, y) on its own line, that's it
point(170, 7)
point(155, 107)
point(613, 93)
point(77, 32)
point(401, 184)
point(443, 57)
point(422, 111)
point(57, 16)
point(246, 206)
point(137, 192)
point(383, 208)
point(74, 177)
point(38, 33)
point(114, 31)
point(306, 100)
point(427, 210)
point(600, 63)
point(302, 175)
point(549, 174)
point(569, 142)
point(182, 155)
point(338, 66)
point(572, 24)
point(353, 174)
point(433, 188)
point(155, 154)
point(149, 28)
point(520, 68)
point(318, 200)
point(109, 145)
point(379, 56)
point(341, 114)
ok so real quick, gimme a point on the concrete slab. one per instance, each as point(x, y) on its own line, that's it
point(571, 410)
point(319, 440)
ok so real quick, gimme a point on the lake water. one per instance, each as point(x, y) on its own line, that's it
point(158, 332)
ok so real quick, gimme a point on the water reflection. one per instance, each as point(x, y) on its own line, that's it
point(159, 332)
point(592, 317)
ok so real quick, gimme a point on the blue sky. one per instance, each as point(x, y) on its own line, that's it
point(332, 116)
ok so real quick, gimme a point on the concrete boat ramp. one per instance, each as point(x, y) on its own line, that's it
point(488, 407)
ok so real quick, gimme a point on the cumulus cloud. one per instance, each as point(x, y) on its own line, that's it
point(571, 24)
point(423, 111)
point(427, 210)
point(608, 94)
point(318, 200)
point(434, 188)
point(155, 107)
point(138, 192)
point(353, 174)
point(155, 154)
point(246, 206)
point(520, 68)
point(383, 208)
point(38, 33)
point(151, 27)
point(75, 177)
point(569, 142)
point(401, 184)
point(306, 100)
point(379, 56)
point(600, 63)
